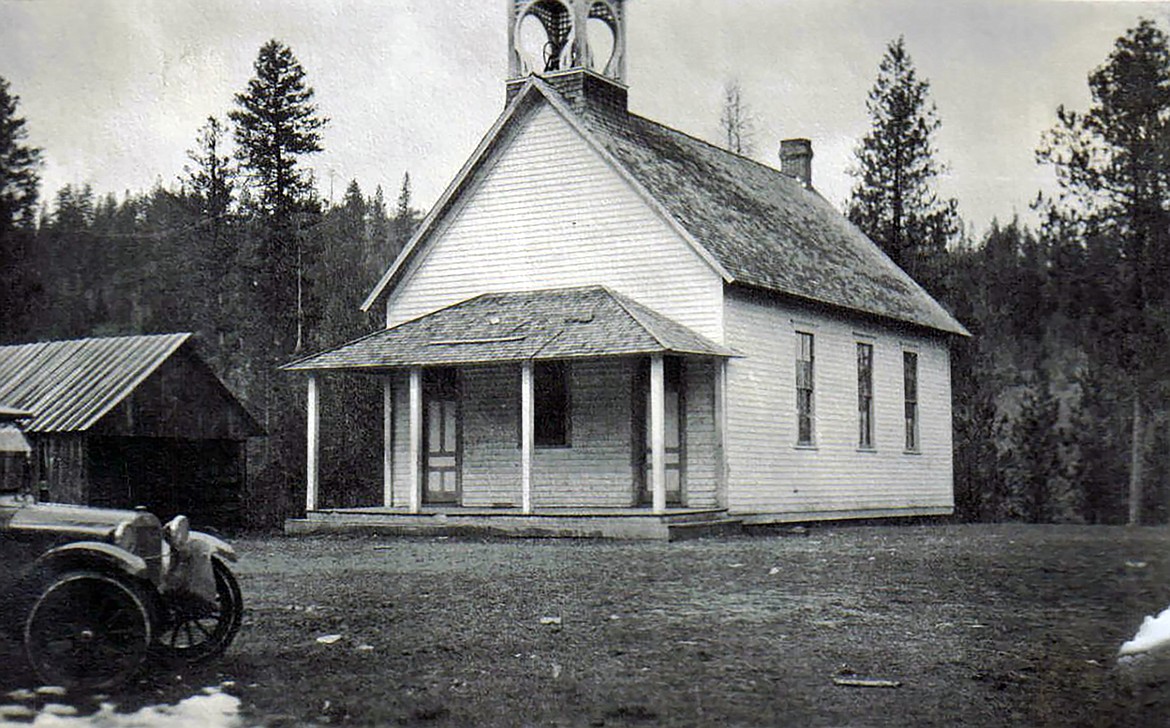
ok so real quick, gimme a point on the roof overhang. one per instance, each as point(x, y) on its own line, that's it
point(559, 324)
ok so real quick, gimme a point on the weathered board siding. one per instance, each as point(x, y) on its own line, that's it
point(768, 473)
point(550, 212)
point(60, 467)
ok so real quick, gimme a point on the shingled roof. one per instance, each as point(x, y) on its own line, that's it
point(567, 323)
point(764, 228)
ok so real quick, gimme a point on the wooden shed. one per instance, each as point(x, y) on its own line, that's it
point(131, 421)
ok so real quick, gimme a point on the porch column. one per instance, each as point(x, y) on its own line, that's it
point(388, 441)
point(658, 433)
point(721, 432)
point(313, 431)
point(527, 434)
point(416, 433)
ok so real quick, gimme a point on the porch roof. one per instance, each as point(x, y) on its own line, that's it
point(566, 323)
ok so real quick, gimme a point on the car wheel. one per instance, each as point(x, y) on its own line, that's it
point(192, 632)
point(88, 630)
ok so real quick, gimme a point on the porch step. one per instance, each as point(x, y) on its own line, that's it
point(704, 529)
point(611, 525)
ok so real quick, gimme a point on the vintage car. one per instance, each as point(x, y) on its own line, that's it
point(93, 594)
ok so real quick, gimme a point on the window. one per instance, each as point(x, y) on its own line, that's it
point(804, 388)
point(551, 405)
point(865, 396)
point(910, 386)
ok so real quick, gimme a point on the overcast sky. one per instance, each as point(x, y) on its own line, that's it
point(114, 90)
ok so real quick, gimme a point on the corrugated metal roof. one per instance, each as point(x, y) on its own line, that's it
point(70, 385)
point(567, 323)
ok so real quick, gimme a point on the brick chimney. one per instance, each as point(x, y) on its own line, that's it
point(796, 159)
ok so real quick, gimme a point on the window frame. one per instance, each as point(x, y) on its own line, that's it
point(803, 439)
point(910, 398)
point(865, 396)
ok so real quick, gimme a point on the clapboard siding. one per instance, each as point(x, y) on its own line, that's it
point(768, 473)
point(491, 436)
point(400, 464)
point(596, 472)
point(548, 211)
point(701, 485)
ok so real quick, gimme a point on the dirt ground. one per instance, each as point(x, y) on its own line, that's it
point(980, 625)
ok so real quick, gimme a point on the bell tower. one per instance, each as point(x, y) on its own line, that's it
point(551, 36)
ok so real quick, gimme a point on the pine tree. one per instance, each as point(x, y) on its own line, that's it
point(1113, 166)
point(19, 165)
point(276, 125)
point(894, 202)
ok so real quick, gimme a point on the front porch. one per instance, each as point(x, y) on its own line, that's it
point(569, 412)
point(608, 523)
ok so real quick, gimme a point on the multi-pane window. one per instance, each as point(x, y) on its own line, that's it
point(804, 388)
point(865, 396)
point(551, 405)
point(910, 387)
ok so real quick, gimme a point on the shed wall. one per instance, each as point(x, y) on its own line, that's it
point(769, 473)
point(549, 212)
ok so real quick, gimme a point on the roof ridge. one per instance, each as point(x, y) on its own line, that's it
point(718, 148)
point(620, 300)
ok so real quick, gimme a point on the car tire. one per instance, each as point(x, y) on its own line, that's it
point(88, 630)
point(192, 634)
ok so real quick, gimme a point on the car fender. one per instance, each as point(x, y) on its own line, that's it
point(86, 553)
point(216, 546)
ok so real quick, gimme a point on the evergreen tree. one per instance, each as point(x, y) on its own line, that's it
point(276, 125)
point(1113, 166)
point(19, 165)
point(894, 202)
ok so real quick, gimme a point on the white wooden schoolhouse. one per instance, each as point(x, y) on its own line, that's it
point(603, 316)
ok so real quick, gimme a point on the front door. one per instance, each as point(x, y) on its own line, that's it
point(675, 442)
point(442, 432)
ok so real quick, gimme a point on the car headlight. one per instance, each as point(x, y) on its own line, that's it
point(177, 532)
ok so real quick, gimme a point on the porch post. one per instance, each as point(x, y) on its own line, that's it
point(416, 433)
point(388, 440)
point(313, 431)
point(527, 434)
point(658, 432)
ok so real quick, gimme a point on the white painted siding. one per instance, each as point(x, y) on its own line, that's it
point(596, 471)
point(768, 473)
point(549, 212)
point(701, 484)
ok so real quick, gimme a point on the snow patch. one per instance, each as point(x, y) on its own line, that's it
point(1154, 633)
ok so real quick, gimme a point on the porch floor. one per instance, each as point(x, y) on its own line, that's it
point(437, 520)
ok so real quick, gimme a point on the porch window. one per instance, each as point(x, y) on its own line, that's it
point(865, 396)
point(551, 405)
point(804, 389)
point(910, 386)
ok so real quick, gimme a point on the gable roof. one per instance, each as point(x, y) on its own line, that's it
point(566, 323)
point(69, 385)
point(756, 225)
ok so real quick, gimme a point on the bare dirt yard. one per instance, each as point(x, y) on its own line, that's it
point(978, 625)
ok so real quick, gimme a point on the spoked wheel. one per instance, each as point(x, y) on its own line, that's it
point(194, 632)
point(88, 630)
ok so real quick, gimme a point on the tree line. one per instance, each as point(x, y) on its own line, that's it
point(240, 249)
point(1060, 395)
